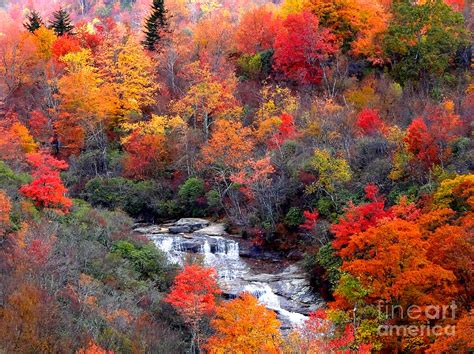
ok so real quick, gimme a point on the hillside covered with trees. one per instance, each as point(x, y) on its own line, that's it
point(334, 133)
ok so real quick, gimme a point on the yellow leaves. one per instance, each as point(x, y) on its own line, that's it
point(293, 6)
point(267, 127)
point(395, 135)
point(80, 61)
point(275, 101)
point(362, 97)
point(208, 99)
point(44, 39)
point(444, 195)
point(206, 6)
point(27, 142)
point(331, 170)
point(83, 93)
point(128, 71)
point(158, 125)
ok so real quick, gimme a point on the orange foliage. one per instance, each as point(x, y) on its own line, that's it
point(5, 208)
point(244, 326)
point(70, 134)
point(93, 348)
point(229, 146)
point(256, 31)
point(392, 259)
point(461, 342)
point(24, 319)
point(15, 139)
point(146, 155)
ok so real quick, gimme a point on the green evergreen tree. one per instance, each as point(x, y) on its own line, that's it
point(156, 25)
point(62, 23)
point(33, 21)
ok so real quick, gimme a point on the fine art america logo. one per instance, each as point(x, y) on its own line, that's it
point(425, 314)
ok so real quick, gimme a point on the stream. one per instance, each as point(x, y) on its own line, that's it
point(278, 284)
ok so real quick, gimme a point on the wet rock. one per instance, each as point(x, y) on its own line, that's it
point(151, 230)
point(193, 223)
point(179, 229)
point(284, 290)
point(295, 255)
point(212, 230)
point(193, 246)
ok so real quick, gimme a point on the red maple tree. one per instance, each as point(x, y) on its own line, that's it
point(46, 189)
point(302, 47)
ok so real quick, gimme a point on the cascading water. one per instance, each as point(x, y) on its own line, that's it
point(234, 273)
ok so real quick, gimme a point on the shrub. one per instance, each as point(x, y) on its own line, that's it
point(192, 196)
point(294, 217)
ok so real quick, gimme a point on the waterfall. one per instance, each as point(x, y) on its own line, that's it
point(266, 296)
point(223, 255)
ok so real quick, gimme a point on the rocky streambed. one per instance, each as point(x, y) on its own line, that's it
point(278, 284)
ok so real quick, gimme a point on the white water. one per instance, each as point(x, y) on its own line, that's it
point(223, 255)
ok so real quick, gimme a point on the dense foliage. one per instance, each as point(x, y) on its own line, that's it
point(335, 131)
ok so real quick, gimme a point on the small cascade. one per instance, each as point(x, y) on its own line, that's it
point(266, 296)
point(234, 274)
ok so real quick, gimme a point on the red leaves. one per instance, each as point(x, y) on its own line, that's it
point(301, 47)
point(38, 125)
point(286, 130)
point(146, 155)
point(457, 5)
point(359, 218)
point(256, 31)
point(369, 122)
point(428, 138)
point(310, 220)
point(194, 292)
point(64, 45)
point(47, 189)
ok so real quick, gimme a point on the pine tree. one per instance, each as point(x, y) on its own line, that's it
point(156, 25)
point(33, 21)
point(62, 23)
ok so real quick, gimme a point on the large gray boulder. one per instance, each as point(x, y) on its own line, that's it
point(179, 229)
point(193, 223)
point(212, 230)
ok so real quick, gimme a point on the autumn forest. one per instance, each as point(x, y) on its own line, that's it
point(236, 176)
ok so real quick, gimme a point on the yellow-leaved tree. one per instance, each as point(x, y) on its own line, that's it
point(129, 71)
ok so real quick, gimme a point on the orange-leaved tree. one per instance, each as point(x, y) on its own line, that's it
point(243, 325)
point(256, 31)
point(5, 208)
point(93, 348)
